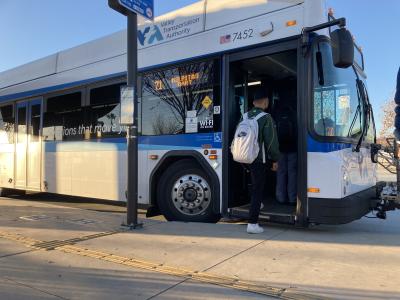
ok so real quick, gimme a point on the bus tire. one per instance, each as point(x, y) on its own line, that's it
point(4, 192)
point(184, 193)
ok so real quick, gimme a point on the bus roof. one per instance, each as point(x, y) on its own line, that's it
point(200, 29)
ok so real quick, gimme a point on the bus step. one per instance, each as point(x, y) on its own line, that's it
point(277, 216)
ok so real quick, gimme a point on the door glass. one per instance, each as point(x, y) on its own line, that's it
point(34, 129)
point(33, 164)
point(21, 147)
point(22, 125)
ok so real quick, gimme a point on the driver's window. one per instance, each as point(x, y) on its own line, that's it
point(333, 114)
point(337, 109)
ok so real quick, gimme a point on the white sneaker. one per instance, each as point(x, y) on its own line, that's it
point(254, 228)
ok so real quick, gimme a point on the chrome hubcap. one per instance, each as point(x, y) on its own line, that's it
point(191, 195)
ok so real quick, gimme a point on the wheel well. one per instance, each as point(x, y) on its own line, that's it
point(173, 157)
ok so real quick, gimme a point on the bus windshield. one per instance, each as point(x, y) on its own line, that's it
point(337, 104)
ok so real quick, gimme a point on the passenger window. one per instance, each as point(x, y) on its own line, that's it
point(184, 99)
point(35, 123)
point(7, 124)
point(64, 118)
point(105, 112)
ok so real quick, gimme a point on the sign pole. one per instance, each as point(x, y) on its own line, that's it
point(132, 197)
point(129, 100)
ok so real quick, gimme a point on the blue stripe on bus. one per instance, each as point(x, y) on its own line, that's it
point(196, 140)
point(171, 142)
point(164, 142)
point(42, 91)
point(315, 146)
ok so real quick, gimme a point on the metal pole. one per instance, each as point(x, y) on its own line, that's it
point(132, 53)
point(397, 164)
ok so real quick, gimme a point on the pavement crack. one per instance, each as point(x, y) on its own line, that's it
point(167, 289)
point(244, 251)
point(34, 288)
point(18, 253)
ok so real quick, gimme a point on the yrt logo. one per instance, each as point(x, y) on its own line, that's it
point(150, 35)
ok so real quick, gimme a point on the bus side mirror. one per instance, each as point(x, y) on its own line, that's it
point(342, 48)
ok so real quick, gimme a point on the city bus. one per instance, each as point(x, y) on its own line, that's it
point(60, 128)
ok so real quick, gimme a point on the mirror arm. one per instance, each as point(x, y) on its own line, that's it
point(307, 30)
point(336, 22)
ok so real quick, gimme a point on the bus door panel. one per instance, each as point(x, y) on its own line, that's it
point(21, 146)
point(34, 149)
point(28, 145)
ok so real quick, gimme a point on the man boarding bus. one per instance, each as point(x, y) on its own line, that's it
point(267, 156)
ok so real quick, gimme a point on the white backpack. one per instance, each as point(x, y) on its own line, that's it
point(245, 146)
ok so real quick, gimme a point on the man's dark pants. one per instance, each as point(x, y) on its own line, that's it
point(258, 173)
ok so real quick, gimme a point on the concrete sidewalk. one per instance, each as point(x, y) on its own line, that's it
point(360, 260)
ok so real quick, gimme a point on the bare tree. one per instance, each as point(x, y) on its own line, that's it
point(9, 129)
point(388, 118)
point(162, 126)
point(195, 82)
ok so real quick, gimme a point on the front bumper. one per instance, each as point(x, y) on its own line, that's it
point(344, 210)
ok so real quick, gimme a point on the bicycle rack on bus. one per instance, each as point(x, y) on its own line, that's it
point(389, 193)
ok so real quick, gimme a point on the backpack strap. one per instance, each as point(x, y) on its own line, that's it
point(259, 116)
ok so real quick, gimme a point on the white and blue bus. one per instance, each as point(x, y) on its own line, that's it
point(60, 126)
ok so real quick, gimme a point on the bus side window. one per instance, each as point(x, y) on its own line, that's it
point(104, 113)
point(64, 118)
point(7, 124)
point(182, 99)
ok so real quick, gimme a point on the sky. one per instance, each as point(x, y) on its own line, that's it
point(31, 29)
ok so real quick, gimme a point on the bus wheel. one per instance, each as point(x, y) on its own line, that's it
point(5, 192)
point(184, 193)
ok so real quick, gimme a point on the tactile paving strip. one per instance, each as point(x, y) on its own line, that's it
point(68, 246)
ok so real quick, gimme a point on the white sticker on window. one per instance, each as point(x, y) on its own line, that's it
point(344, 101)
point(217, 110)
point(191, 125)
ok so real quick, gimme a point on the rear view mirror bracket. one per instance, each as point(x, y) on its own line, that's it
point(308, 30)
point(341, 41)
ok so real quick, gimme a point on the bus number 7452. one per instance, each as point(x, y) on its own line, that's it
point(243, 35)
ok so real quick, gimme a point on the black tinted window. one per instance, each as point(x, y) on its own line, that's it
point(105, 112)
point(7, 124)
point(105, 94)
point(183, 99)
point(64, 118)
point(64, 103)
